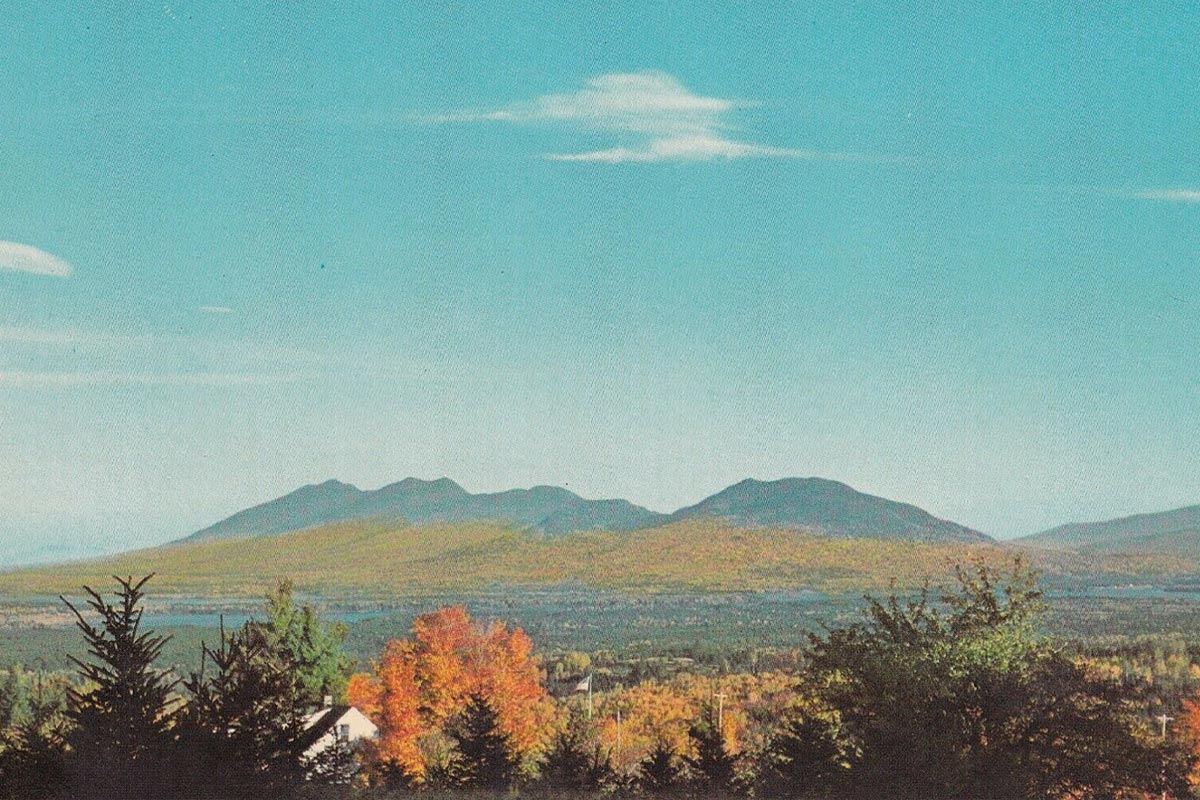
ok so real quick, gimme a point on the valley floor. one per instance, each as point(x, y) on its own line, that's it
point(661, 632)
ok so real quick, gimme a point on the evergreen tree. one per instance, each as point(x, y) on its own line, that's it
point(244, 721)
point(601, 774)
point(243, 726)
point(575, 759)
point(660, 771)
point(122, 715)
point(12, 697)
point(336, 765)
point(567, 763)
point(486, 758)
point(441, 774)
point(32, 765)
point(803, 759)
point(714, 767)
point(313, 646)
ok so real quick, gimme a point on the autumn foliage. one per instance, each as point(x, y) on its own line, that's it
point(420, 685)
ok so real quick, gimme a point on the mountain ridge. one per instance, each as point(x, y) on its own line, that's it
point(819, 505)
point(1159, 531)
point(829, 507)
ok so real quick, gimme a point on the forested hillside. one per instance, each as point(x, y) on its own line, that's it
point(387, 559)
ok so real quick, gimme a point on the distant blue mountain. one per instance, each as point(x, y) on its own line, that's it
point(822, 506)
point(829, 507)
point(547, 510)
point(1174, 532)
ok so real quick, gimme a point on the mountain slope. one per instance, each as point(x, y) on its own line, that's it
point(827, 507)
point(543, 509)
point(310, 505)
point(380, 559)
point(1168, 532)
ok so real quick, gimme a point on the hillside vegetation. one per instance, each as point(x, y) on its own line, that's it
point(1174, 532)
point(381, 559)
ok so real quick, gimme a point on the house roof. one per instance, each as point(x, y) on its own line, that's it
point(321, 723)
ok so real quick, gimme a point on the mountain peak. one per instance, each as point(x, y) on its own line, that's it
point(442, 484)
point(794, 483)
point(301, 508)
point(826, 506)
point(332, 484)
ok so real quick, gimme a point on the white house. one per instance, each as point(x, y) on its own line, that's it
point(330, 724)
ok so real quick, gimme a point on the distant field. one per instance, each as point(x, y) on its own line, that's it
point(386, 560)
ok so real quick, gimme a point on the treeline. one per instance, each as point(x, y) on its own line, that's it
point(928, 697)
point(950, 695)
point(126, 729)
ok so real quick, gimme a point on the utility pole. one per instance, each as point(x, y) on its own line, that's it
point(618, 734)
point(589, 697)
point(1163, 720)
point(720, 712)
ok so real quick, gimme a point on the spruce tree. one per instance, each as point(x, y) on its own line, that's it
point(244, 720)
point(123, 711)
point(567, 763)
point(804, 757)
point(12, 697)
point(336, 765)
point(31, 764)
point(574, 761)
point(715, 768)
point(314, 647)
point(486, 758)
point(660, 770)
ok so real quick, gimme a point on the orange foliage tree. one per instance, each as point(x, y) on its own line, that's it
point(1190, 723)
point(419, 685)
point(655, 712)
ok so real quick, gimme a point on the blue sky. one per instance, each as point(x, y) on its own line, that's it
point(947, 255)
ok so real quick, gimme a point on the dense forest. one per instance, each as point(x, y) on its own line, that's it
point(934, 694)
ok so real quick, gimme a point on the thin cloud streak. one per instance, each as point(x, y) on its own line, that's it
point(666, 120)
point(17, 257)
point(57, 337)
point(709, 149)
point(236, 349)
point(216, 309)
point(1170, 195)
point(34, 380)
point(221, 358)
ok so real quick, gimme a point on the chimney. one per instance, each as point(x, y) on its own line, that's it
point(329, 701)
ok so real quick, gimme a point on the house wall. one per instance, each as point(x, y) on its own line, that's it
point(360, 728)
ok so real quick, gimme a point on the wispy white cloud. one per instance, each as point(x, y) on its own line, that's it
point(67, 357)
point(662, 118)
point(19, 257)
point(705, 148)
point(216, 309)
point(70, 337)
point(234, 350)
point(1171, 195)
point(76, 357)
point(36, 379)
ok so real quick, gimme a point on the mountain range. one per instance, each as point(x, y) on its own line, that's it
point(1174, 532)
point(818, 505)
point(421, 537)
